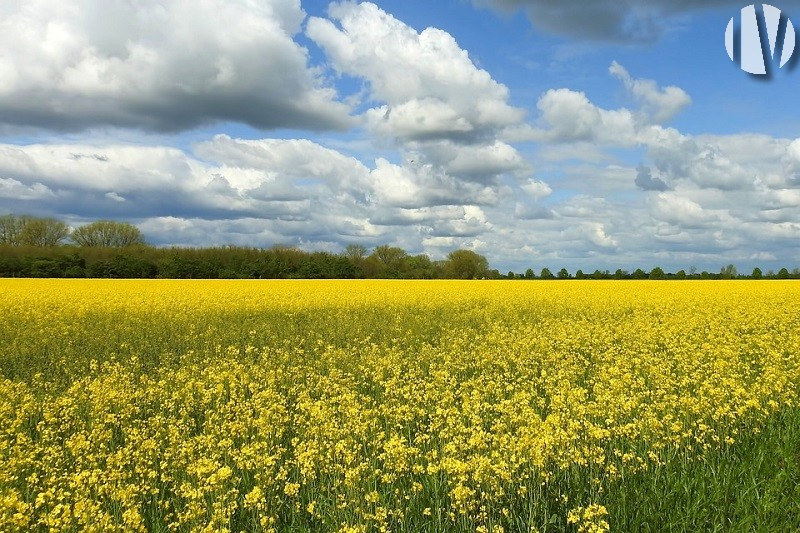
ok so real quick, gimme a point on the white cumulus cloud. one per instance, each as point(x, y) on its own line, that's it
point(430, 87)
point(661, 104)
point(163, 65)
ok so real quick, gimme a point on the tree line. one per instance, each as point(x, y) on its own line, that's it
point(727, 272)
point(231, 262)
point(47, 247)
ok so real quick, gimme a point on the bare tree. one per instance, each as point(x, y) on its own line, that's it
point(108, 233)
point(355, 252)
point(42, 232)
point(11, 229)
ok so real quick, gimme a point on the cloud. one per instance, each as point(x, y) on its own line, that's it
point(427, 98)
point(480, 162)
point(536, 189)
point(16, 191)
point(646, 181)
point(725, 162)
point(660, 104)
point(114, 196)
point(596, 233)
point(261, 192)
point(420, 185)
point(569, 116)
point(264, 192)
point(532, 211)
point(458, 222)
point(253, 163)
point(627, 21)
point(153, 181)
point(431, 88)
point(681, 211)
point(159, 65)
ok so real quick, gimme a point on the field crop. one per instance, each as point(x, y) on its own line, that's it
point(357, 406)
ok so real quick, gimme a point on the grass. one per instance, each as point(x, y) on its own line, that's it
point(750, 485)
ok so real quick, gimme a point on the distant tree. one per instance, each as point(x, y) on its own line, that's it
point(355, 252)
point(123, 266)
point(466, 264)
point(639, 274)
point(728, 272)
point(657, 273)
point(108, 233)
point(563, 274)
point(510, 275)
point(546, 274)
point(529, 274)
point(11, 227)
point(756, 273)
point(680, 274)
point(388, 255)
point(783, 273)
point(620, 274)
point(420, 267)
point(692, 271)
point(579, 274)
point(43, 232)
point(386, 262)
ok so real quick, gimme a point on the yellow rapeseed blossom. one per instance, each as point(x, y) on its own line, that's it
point(360, 406)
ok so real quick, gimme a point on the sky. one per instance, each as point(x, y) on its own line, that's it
point(595, 134)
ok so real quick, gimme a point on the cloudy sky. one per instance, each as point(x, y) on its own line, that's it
point(540, 133)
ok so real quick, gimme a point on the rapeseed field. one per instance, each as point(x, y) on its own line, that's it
point(360, 406)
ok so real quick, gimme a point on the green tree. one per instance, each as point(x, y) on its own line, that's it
point(420, 267)
point(43, 232)
point(680, 274)
point(466, 264)
point(109, 234)
point(783, 273)
point(546, 274)
point(657, 273)
point(563, 274)
point(529, 274)
point(756, 273)
point(388, 261)
point(389, 255)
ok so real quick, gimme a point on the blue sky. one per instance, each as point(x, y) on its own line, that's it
point(539, 133)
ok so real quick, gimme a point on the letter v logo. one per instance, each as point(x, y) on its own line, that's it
point(780, 36)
